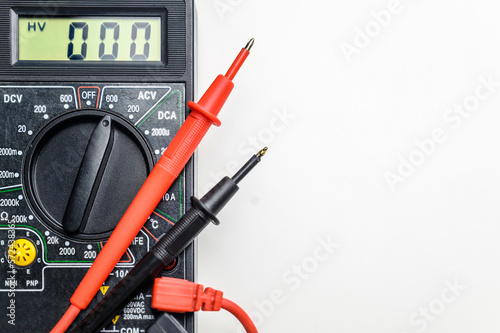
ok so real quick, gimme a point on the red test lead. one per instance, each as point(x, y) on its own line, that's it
point(203, 115)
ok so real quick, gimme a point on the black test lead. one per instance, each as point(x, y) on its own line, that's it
point(162, 255)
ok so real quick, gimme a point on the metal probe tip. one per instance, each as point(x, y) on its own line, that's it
point(252, 162)
point(262, 152)
point(249, 45)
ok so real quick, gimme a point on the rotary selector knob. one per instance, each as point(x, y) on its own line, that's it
point(83, 169)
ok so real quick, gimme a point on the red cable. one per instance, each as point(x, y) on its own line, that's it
point(240, 314)
point(67, 319)
point(180, 296)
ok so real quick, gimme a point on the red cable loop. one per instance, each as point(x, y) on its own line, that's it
point(177, 295)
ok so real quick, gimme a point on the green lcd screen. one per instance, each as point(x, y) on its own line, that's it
point(90, 39)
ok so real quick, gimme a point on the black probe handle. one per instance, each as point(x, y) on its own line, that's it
point(146, 271)
point(162, 255)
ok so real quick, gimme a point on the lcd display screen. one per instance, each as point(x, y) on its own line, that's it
point(92, 38)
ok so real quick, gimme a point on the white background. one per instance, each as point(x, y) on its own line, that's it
point(351, 121)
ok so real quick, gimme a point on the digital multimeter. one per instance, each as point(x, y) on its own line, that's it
point(91, 93)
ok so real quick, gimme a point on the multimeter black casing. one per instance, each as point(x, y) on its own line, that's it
point(146, 101)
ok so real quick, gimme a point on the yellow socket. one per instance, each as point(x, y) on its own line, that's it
point(22, 252)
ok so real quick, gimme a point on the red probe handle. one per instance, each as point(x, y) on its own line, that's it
point(180, 150)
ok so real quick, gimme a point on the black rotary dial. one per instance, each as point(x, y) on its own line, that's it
point(82, 170)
